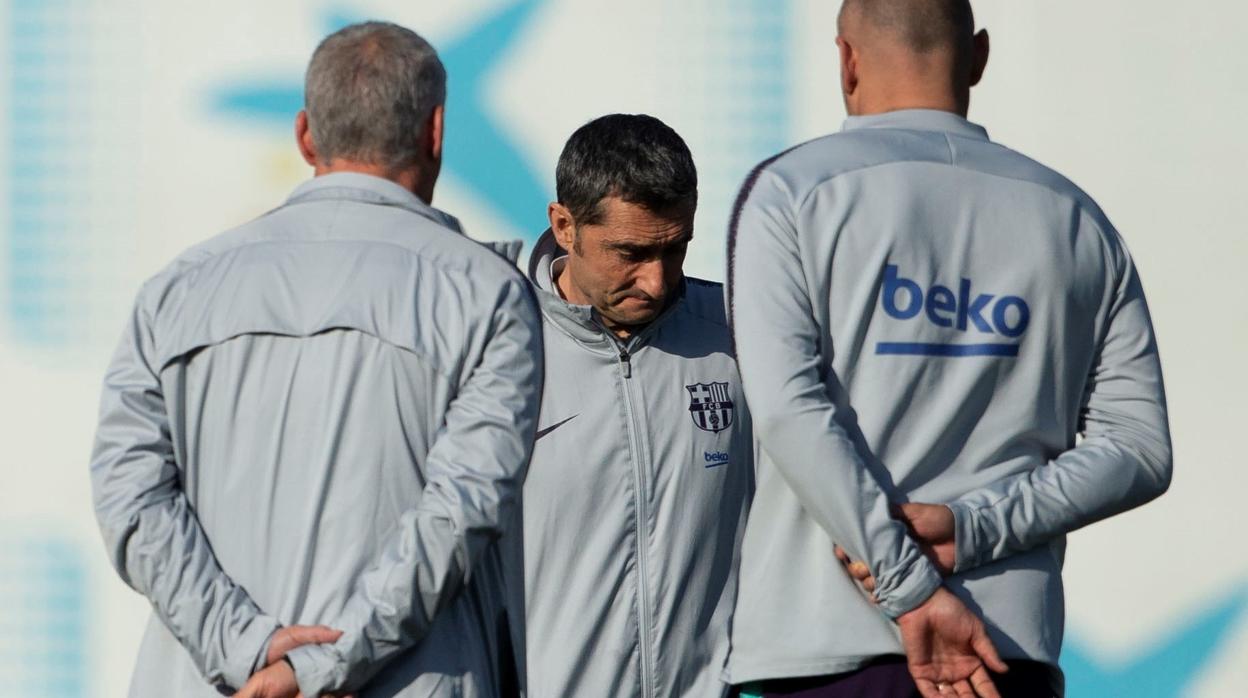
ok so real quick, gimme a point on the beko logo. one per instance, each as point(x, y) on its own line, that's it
point(963, 311)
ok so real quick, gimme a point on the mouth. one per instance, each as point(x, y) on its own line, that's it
point(636, 301)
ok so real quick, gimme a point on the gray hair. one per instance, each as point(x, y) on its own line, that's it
point(369, 91)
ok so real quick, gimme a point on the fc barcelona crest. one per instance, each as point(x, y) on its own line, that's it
point(710, 405)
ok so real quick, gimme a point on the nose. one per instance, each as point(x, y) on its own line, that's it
point(652, 279)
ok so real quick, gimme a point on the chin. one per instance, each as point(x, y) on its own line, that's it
point(635, 318)
point(629, 316)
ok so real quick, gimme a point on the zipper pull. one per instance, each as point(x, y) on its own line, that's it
point(626, 362)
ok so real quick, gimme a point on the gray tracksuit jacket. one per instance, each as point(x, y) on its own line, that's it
point(323, 416)
point(923, 315)
point(635, 500)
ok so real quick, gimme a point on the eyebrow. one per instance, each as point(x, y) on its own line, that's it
point(633, 247)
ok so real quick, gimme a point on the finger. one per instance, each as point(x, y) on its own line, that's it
point(314, 634)
point(909, 509)
point(927, 688)
point(962, 689)
point(869, 584)
point(986, 650)
point(984, 687)
point(859, 570)
point(841, 554)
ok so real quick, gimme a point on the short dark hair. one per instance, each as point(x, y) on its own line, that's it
point(631, 156)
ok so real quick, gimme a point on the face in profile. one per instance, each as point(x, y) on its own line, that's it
point(626, 264)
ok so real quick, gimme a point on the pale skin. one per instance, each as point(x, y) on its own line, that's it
point(277, 678)
point(947, 647)
point(627, 265)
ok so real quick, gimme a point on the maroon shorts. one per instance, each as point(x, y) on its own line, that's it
point(888, 677)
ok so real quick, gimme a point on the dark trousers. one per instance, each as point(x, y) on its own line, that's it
point(888, 677)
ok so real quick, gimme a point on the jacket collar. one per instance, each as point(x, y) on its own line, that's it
point(580, 321)
point(919, 120)
point(354, 186)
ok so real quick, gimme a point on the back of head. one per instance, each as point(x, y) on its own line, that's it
point(919, 26)
point(634, 157)
point(369, 91)
point(909, 54)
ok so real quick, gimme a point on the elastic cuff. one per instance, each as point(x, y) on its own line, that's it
point(965, 546)
point(314, 669)
point(262, 657)
point(920, 582)
point(249, 650)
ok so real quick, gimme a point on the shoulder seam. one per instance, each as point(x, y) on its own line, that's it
point(1078, 196)
point(191, 266)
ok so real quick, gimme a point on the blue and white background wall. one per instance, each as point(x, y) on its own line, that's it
point(130, 129)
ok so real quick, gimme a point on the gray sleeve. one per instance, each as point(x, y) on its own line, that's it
point(153, 537)
point(799, 427)
point(475, 470)
point(1123, 461)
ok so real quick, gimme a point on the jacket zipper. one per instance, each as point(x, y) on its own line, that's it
point(643, 539)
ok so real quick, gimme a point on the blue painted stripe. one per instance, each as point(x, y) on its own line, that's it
point(47, 66)
point(919, 349)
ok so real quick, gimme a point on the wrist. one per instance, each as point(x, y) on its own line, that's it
point(921, 581)
point(918, 614)
point(315, 669)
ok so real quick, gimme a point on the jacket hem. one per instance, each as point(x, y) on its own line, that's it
point(746, 672)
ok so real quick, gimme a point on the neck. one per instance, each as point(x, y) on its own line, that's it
point(411, 178)
point(904, 84)
point(884, 106)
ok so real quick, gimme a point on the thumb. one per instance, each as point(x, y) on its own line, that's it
point(986, 650)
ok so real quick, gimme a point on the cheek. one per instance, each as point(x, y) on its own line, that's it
point(618, 278)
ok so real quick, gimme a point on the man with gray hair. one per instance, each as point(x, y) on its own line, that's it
point(324, 416)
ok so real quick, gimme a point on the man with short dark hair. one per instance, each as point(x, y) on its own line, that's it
point(925, 322)
point(643, 465)
point(323, 416)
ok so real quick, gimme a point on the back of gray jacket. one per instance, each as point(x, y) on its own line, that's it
point(923, 315)
point(323, 416)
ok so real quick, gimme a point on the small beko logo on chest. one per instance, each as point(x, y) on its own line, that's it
point(714, 459)
point(710, 405)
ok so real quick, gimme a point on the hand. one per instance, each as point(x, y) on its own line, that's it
point(858, 571)
point(948, 650)
point(287, 638)
point(274, 681)
point(932, 527)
